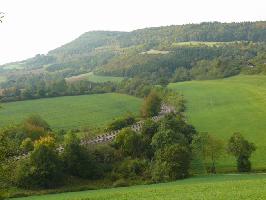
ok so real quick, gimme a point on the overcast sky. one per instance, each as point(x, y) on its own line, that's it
point(37, 26)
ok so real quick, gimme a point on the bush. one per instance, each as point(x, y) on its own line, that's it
point(2, 195)
point(149, 128)
point(152, 105)
point(121, 183)
point(131, 168)
point(36, 120)
point(77, 160)
point(173, 129)
point(171, 163)
point(35, 127)
point(26, 145)
point(242, 150)
point(24, 172)
point(105, 158)
point(209, 148)
point(33, 132)
point(243, 164)
point(167, 137)
point(121, 123)
point(129, 143)
point(43, 168)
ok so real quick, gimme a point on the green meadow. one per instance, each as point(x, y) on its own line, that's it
point(2, 79)
point(14, 66)
point(219, 187)
point(72, 111)
point(201, 43)
point(95, 78)
point(222, 107)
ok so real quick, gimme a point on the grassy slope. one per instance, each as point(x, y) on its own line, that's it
point(220, 187)
point(200, 43)
point(72, 111)
point(95, 78)
point(221, 107)
point(15, 66)
point(2, 78)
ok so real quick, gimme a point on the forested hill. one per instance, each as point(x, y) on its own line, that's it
point(207, 31)
point(173, 53)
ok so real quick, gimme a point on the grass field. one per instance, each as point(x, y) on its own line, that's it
point(200, 43)
point(219, 187)
point(222, 107)
point(72, 111)
point(14, 66)
point(2, 79)
point(155, 52)
point(94, 78)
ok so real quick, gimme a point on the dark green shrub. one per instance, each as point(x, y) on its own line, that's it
point(2, 195)
point(152, 105)
point(43, 169)
point(76, 159)
point(171, 163)
point(121, 123)
point(105, 158)
point(242, 150)
point(26, 145)
point(131, 168)
point(129, 143)
point(34, 127)
point(243, 164)
point(36, 120)
point(121, 183)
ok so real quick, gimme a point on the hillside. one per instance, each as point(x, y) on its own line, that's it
point(225, 106)
point(153, 37)
point(72, 111)
point(132, 100)
point(221, 187)
point(160, 54)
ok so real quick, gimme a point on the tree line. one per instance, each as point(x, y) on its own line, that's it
point(184, 63)
point(43, 86)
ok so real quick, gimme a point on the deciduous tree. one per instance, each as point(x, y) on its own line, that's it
point(242, 149)
point(76, 159)
point(209, 148)
point(151, 105)
point(43, 168)
point(129, 142)
point(171, 163)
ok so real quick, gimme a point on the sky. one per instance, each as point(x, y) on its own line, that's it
point(33, 27)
